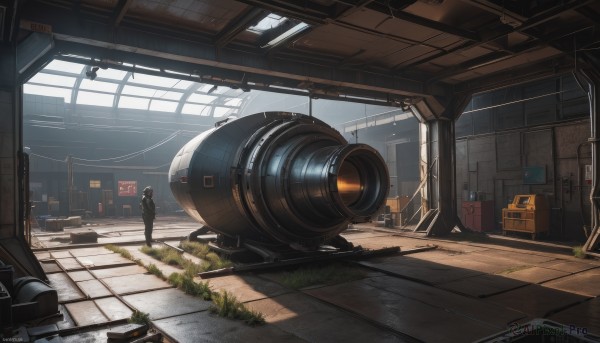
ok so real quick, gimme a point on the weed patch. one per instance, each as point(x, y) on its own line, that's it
point(579, 252)
point(123, 252)
point(226, 305)
point(328, 274)
point(210, 260)
point(138, 317)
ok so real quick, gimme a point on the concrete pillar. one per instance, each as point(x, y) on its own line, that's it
point(438, 167)
point(9, 140)
point(590, 81)
point(13, 248)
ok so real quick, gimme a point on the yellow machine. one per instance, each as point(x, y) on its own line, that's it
point(527, 213)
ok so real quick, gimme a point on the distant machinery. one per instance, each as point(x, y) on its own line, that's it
point(278, 179)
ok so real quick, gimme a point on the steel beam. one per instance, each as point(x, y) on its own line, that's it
point(238, 25)
point(590, 80)
point(134, 42)
point(532, 22)
point(430, 24)
point(14, 249)
point(438, 116)
point(119, 12)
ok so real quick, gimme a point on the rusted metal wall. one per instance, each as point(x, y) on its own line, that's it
point(493, 165)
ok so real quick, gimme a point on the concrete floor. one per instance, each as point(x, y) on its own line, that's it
point(468, 288)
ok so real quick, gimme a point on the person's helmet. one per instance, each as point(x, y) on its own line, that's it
point(147, 190)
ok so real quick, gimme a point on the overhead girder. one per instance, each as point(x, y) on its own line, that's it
point(488, 38)
point(32, 54)
point(246, 19)
point(119, 12)
point(105, 42)
point(215, 76)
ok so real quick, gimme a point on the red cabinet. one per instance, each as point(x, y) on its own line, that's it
point(478, 215)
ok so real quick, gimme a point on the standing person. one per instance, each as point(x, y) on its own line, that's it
point(148, 214)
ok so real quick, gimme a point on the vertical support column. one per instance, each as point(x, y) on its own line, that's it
point(13, 246)
point(439, 194)
point(390, 161)
point(8, 145)
point(590, 80)
point(438, 163)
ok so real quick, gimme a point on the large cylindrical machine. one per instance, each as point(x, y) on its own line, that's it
point(278, 178)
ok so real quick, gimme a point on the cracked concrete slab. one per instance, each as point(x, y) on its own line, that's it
point(204, 327)
point(313, 320)
point(93, 289)
point(66, 289)
point(118, 271)
point(584, 283)
point(421, 270)
point(535, 274)
point(135, 283)
point(166, 303)
point(404, 315)
point(481, 286)
point(113, 308)
point(86, 313)
point(537, 301)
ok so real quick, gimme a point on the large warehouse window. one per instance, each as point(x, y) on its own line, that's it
point(90, 85)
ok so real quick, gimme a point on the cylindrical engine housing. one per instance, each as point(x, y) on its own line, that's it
point(278, 177)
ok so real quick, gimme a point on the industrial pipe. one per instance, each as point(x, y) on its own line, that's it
point(278, 178)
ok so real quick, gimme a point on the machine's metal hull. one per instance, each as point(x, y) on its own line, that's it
point(278, 177)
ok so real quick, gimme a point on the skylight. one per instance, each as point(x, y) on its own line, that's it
point(167, 95)
point(139, 91)
point(67, 67)
point(198, 110)
point(183, 84)
point(289, 33)
point(269, 22)
point(221, 111)
point(48, 91)
point(134, 103)
point(165, 106)
point(201, 98)
point(136, 90)
point(235, 102)
point(151, 80)
point(54, 80)
point(98, 86)
point(95, 99)
point(113, 74)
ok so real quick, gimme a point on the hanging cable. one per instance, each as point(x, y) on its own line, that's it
point(123, 167)
point(133, 154)
point(48, 158)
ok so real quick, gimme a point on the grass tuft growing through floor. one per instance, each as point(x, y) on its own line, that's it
point(226, 305)
point(187, 284)
point(153, 269)
point(138, 317)
point(515, 269)
point(579, 252)
point(210, 260)
point(123, 252)
point(318, 274)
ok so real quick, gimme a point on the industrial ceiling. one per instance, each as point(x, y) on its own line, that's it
point(389, 52)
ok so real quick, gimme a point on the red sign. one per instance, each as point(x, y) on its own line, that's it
point(127, 188)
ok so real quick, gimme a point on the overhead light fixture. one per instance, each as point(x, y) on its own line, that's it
point(92, 73)
point(212, 89)
point(287, 34)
